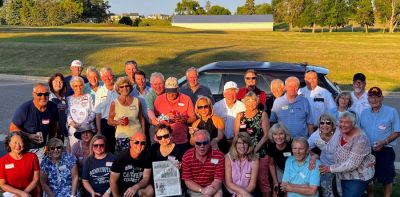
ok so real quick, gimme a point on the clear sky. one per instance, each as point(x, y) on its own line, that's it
point(146, 7)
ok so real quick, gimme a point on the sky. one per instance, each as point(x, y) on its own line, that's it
point(146, 7)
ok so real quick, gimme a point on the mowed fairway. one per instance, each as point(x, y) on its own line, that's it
point(170, 50)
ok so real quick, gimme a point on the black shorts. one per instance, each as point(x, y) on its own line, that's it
point(384, 166)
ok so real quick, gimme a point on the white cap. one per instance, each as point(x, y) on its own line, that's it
point(230, 85)
point(77, 63)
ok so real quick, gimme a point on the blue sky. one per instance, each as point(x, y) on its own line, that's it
point(146, 7)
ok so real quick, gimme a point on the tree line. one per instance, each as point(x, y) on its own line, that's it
point(52, 12)
point(310, 13)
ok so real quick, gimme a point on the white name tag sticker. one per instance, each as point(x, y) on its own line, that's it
point(63, 167)
point(287, 154)
point(242, 126)
point(9, 166)
point(214, 161)
point(382, 127)
point(45, 121)
point(129, 167)
point(132, 108)
point(109, 164)
point(285, 107)
point(181, 104)
point(248, 175)
point(171, 158)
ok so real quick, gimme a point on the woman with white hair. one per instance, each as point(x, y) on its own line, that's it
point(353, 158)
point(80, 109)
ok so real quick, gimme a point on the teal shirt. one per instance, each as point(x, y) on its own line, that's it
point(150, 98)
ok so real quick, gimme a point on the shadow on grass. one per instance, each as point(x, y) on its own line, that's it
point(165, 30)
point(176, 66)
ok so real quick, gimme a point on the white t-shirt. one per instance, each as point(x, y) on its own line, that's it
point(103, 100)
point(320, 100)
point(229, 115)
point(359, 104)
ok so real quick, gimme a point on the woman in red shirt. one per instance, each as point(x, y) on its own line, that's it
point(19, 170)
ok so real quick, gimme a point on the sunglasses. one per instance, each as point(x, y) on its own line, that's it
point(203, 107)
point(143, 143)
point(98, 145)
point(166, 136)
point(46, 94)
point(250, 78)
point(325, 123)
point(202, 143)
point(125, 86)
point(56, 147)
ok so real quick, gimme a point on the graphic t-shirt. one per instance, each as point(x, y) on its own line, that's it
point(130, 170)
point(97, 172)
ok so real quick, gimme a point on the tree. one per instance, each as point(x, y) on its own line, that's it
point(10, 12)
point(126, 21)
point(388, 12)
point(250, 6)
point(25, 12)
point(95, 9)
point(189, 7)
point(310, 14)
point(287, 11)
point(365, 14)
point(264, 8)
point(337, 14)
point(72, 10)
point(218, 10)
point(207, 7)
point(241, 10)
point(1, 3)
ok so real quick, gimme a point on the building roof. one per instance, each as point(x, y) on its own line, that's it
point(221, 18)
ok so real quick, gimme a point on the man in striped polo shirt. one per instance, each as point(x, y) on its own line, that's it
point(203, 168)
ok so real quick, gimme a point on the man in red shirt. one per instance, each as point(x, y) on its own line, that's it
point(203, 168)
point(175, 109)
point(250, 79)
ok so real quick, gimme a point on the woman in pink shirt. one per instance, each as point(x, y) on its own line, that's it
point(241, 167)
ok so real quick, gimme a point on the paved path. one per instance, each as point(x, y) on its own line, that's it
point(14, 90)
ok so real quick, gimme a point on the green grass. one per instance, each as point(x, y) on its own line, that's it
point(378, 189)
point(43, 51)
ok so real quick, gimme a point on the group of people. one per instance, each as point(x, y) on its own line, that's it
point(97, 136)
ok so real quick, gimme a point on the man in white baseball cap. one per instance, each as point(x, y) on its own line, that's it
point(228, 108)
point(76, 68)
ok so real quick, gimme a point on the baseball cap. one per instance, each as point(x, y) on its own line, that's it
point(359, 76)
point(77, 63)
point(171, 85)
point(230, 85)
point(375, 91)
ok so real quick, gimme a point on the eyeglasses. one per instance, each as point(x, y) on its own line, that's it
point(325, 123)
point(203, 107)
point(98, 145)
point(143, 143)
point(202, 143)
point(166, 136)
point(46, 94)
point(56, 147)
point(125, 86)
point(251, 78)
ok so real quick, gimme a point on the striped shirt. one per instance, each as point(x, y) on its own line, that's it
point(203, 173)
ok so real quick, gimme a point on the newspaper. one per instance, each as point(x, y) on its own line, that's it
point(167, 180)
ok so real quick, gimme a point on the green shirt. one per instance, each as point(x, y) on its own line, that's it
point(150, 98)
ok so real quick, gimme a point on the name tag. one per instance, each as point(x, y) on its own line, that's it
point(181, 104)
point(171, 158)
point(63, 167)
point(285, 107)
point(109, 164)
point(45, 121)
point(132, 108)
point(248, 175)
point(382, 127)
point(9, 166)
point(243, 126)
point(80, 158)
point(287, 154)
point(214, 161)
point(129, 167)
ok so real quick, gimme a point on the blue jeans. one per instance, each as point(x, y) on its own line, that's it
point(353, 188)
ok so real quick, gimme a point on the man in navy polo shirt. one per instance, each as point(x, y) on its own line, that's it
point(193, 88)
point(382, 125)
point(37, 119)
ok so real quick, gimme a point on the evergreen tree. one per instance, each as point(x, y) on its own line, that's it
point(365, 14)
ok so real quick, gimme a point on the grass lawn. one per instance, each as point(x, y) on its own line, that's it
point(43, 51)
